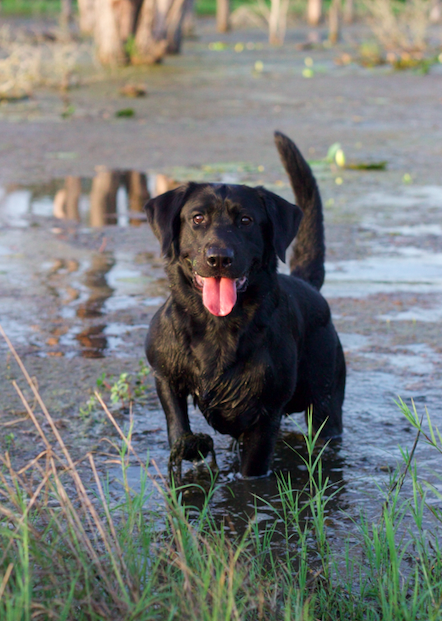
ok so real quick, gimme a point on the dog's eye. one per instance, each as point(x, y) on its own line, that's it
point(198, 218)
point(246, 220)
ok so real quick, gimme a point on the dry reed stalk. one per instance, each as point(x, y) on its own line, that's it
point(11, 423)
point(108, 515)
point(80, 489)
point(164, 488)
point(125, 439)
point(11, 494)
point(32, 463)
point(68, 510)
point(5, 579)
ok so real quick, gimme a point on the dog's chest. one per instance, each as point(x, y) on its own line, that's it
point(227, 388)
point(230, 404)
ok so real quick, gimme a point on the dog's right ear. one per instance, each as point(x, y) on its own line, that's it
point(163, 215)
point(284, 217)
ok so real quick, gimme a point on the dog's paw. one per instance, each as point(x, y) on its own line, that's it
point(190, 447)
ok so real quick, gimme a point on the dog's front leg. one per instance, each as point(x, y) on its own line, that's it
point(174, 405)
point(184, 445)
point(258, 444)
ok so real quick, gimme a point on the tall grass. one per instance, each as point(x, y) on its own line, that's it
point(67, 553)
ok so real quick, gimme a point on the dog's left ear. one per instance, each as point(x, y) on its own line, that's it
point(163, 215)
point(285, 219)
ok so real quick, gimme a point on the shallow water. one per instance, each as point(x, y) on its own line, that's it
point(81, 277)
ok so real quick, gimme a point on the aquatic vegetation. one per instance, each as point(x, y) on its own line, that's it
point(123, 391)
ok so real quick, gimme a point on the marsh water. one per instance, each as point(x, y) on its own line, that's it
point(81, 276)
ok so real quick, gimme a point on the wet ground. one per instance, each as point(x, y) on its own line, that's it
point(80, 273)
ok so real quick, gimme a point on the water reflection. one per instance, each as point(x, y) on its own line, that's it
point(80, 291)
point(92, 341)
point(136, 184)
point(67, 199)
point(111, 197)
point(80, 288)
point(113, 193)
point(86, 296)
point(98, 288)
point(238, 501)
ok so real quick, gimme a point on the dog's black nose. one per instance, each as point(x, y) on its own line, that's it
point(219, 257)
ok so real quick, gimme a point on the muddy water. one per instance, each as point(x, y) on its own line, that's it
point(81, 276)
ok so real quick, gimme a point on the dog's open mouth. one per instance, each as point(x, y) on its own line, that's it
point(219, 294)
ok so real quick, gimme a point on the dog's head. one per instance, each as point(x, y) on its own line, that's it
point(222, 236)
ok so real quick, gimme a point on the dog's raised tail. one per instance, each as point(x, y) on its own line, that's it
point(307, 261)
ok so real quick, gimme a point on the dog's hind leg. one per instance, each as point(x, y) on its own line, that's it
point(328, 392)
point(321, 382)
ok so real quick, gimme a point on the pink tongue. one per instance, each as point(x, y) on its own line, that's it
point(219, 295)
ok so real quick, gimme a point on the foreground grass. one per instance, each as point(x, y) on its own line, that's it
point(66, 554)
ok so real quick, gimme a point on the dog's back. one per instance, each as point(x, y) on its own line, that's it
point(307, 261)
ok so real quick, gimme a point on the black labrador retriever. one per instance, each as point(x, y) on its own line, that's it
point(248, 344)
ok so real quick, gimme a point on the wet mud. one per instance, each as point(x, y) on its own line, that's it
point(81, 274)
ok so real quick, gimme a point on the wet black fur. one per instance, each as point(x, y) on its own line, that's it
point(277, 352)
